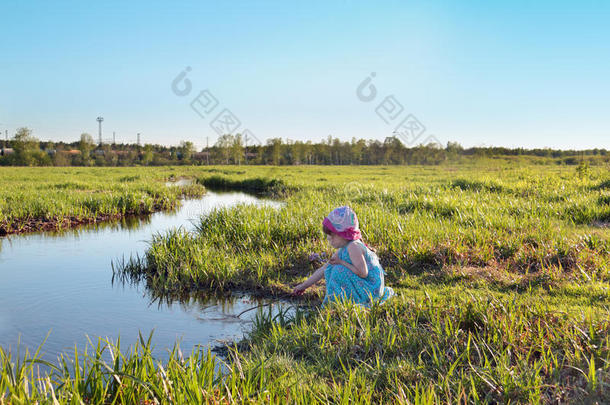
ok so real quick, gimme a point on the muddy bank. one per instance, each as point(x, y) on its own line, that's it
point(56, 224)
point(28, 225)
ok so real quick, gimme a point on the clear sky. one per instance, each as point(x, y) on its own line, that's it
point(518, 73)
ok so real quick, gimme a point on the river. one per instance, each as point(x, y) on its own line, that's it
point(61, 284)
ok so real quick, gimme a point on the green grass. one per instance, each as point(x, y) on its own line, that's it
point(416, 349)
point(533, 224)
point(34, 199)
point(501, 276)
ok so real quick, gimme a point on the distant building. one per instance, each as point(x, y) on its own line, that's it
point(6, 151)
point(201, 155)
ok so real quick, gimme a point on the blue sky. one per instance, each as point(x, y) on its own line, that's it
point(531, 74)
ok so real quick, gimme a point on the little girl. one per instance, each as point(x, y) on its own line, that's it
point(353, 272)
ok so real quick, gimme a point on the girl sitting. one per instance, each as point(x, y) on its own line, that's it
point(353, 272)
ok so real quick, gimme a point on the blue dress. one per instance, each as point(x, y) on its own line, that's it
point(342, 283)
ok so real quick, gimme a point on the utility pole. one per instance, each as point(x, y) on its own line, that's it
point(113, 138)
point(99, 121)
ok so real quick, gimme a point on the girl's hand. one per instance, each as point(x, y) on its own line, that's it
point(299, 289)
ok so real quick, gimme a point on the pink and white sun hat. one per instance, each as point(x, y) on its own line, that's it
point(344, 222)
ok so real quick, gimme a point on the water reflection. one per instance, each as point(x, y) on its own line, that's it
point(188, 301)
point(180, 182)
point(215, 306)
point(61, 282)
point(130, 222)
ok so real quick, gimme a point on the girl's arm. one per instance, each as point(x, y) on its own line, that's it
point(356, 256)
point(314, 278)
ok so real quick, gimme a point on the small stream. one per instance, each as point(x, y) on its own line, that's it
point(62, 283)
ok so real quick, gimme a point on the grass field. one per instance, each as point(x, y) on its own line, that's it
point(33, 199)
point(501, 275)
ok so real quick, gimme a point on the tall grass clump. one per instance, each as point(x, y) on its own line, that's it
point(35, 199)
point(269, 186)
point(435, 347)
point(461, 349)
point(242, 247)
point(106, 373)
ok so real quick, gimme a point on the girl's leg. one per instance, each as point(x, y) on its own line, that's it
point(341, 282)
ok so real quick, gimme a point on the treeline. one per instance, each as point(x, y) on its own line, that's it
point(25, 150)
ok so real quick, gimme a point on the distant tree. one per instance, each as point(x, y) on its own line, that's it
point(288, 153)
point(60, 159)
point(99, 160)
point(453, 149)
point(224, 144)
point(229, 149)
point(148, 155)
point(110, 156)
point(308, 152)
point(26, 149)
point(357, 147)
point(23, 141)
point(275, 149)
point(186, 151)
point(394, 151)
point(128, 159)
point(298, 152)
point(85, 146)
point(237, 149)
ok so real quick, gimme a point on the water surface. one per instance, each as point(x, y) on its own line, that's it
point(62, 283)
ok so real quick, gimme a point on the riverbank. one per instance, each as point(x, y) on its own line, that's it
point(46, 199)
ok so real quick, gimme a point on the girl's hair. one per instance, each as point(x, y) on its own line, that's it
point(328, 231)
